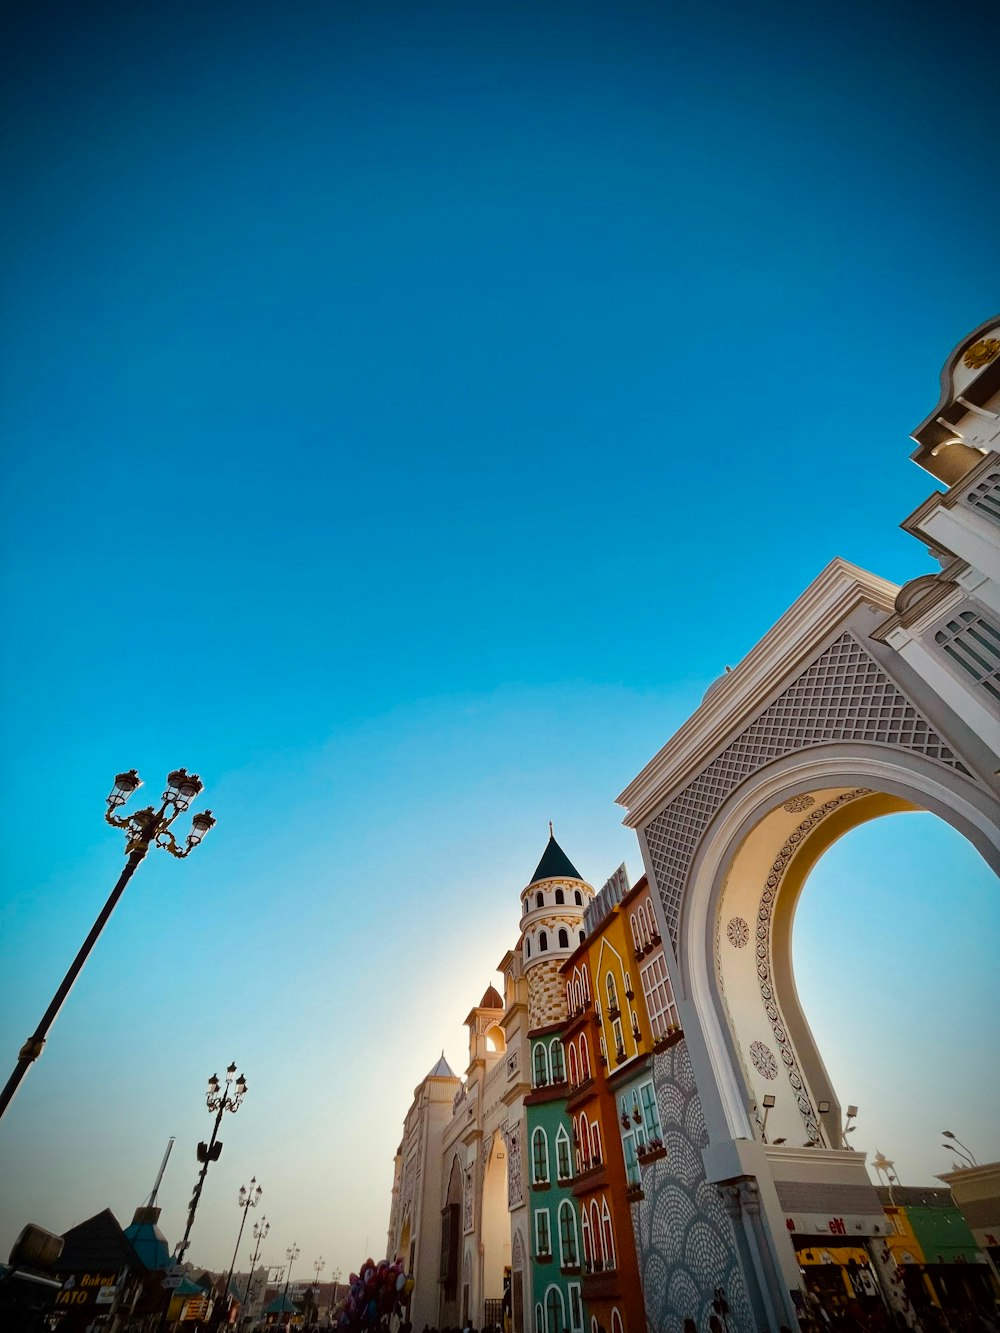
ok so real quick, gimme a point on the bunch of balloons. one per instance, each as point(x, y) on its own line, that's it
point(376, 1292)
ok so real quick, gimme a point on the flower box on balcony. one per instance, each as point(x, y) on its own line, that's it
point(634, 1193)
point(651, 1152)
point(614, 1012)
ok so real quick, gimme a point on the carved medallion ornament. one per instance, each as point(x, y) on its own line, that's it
point(799, 803)
point(982, 353)
point(738, 932)
point(763, 1060)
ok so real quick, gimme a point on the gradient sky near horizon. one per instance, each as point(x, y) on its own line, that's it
point(407, 412)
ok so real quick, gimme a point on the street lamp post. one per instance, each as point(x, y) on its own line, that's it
point(143, 829)
point(249, 1198)
point(291, 1254)
point(220, 1100)
point(318, 1266)
point(955, 1139)
point(260, 1230)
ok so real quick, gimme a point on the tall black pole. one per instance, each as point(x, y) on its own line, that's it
point(182, 1247)
point(32, 1048)
point(259, 1234)
point(243, 1222)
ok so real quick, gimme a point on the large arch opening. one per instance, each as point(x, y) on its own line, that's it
point(735, 937)
point(894, 955)
point(495, 1227)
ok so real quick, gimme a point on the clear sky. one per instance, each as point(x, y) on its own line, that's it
point(408, 410)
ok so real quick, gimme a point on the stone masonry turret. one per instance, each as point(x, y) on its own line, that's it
point(552, 907)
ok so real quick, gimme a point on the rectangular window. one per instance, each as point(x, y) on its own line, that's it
point(543, 1239)
point(632, 1174)
point(986, 496)
point(650, 1111)
point(659, 997)
point(575, 1308)
point(562, 1158)
point(973, 644)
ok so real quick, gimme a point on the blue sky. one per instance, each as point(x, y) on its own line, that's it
point(407, 412)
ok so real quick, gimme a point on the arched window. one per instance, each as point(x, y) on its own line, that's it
point(616, 1321)
point(582, 936)
point(563, 938)
point(574, 1067)
point(579, 897)
point(539, 899)
point(556, 1061)
point(595, 1229)
point(543, 1241)
point(563, 1169)
point(595, 1142)
point(560, 897)
point(569, 1255)
point(588, 1240)
point(636, 932)
point(612, 992)
point(608, 1233)
point(541, 1065)
point(539, 1157)
point(538, 1319)
point(584, 1135)
point(584, 1059)
point(543, 941)
point(527, 946)
point(554, 1316)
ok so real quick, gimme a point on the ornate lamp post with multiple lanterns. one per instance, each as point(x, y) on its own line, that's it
point(220, 1100)
point(260, 1230)
point(249, 1198)
point(143, 829)
point(291, 1254)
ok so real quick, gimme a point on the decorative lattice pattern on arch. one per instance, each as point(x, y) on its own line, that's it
point(844, 696)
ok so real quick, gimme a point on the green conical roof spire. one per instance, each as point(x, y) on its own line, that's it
point(555, 864)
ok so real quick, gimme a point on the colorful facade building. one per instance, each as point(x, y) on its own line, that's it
point(698, 1105)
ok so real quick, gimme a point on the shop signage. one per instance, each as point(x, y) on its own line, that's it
point(87, 1289)
point(815, 1224)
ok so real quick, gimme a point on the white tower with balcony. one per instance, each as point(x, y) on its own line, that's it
point(552, 907)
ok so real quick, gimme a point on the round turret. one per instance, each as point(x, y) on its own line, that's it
point(552, 907)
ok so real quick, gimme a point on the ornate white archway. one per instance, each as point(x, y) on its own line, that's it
point(821, 728)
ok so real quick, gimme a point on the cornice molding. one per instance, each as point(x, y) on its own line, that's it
point(788, 647)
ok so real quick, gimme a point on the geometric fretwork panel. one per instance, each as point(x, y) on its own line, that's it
point(844, 696)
